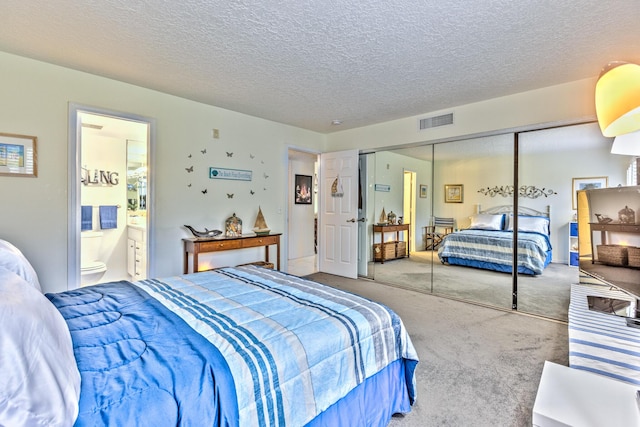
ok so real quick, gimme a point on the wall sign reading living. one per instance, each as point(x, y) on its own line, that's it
point(99, 177)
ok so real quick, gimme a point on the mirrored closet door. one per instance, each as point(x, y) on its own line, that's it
point(467, 176)
point(551, 164)
point(470, 186)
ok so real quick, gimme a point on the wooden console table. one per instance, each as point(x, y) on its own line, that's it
point(197, 246)
point(397, 228)
point(611, 227)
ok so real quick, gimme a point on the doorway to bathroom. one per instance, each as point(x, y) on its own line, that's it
point(302, 213)
point(111, 199)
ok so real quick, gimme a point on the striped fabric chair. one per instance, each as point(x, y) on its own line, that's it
point(437, 231)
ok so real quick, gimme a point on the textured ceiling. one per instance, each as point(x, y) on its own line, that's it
point(308, 62)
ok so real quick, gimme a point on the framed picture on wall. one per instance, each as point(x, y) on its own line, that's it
point(587, 184)
point(423, 191)
point(453, 193)
point(18, 156)
point(302, 189)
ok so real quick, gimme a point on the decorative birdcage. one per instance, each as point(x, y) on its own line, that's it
point(233, 226)
point(627, 215)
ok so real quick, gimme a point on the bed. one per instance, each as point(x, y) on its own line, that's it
point(231, 347)
point(488, 242)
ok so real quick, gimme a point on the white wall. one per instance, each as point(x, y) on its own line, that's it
point(567, 102)
point(34, 100)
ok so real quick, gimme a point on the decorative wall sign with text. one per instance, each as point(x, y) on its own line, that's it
point(232, 174)
point(99, 177)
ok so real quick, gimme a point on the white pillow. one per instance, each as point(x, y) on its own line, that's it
point(487, 222)
point(533, 224)
point(13, 260)
point(39, 378)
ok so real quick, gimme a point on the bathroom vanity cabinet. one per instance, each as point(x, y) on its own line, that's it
point(137, 252)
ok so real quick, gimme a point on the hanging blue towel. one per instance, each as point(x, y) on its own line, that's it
point(86, 218)
point(108, 217)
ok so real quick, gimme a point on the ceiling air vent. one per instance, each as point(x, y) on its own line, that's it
point(432, 122)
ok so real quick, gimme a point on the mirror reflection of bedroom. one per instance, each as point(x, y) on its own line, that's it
point(472, 182)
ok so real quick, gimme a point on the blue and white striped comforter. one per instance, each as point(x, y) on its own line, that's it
point(599, 342)
point(333, 340)
point(496, 247)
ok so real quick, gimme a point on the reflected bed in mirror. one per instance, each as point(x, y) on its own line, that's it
point(487, 243)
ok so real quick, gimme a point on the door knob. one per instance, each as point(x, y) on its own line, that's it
point(351, 220)
point(362, 219)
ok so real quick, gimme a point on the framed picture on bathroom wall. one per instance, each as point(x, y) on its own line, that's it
point(18, 155)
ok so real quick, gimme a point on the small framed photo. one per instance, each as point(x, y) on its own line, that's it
point(453, 193)
point(586, 184)
point(302, 189)
point(423, 191)
point(18, 155)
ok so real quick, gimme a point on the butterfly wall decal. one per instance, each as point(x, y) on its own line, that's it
point(189, 185)
point(204, 151)
point(204, 191)
point(230, 195)
point(252, 156)
point(189, 169)
point(189, 156)
point(265, 175)
point(252, 192)
point(229, 154)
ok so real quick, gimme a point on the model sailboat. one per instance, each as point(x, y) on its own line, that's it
point(260, 226)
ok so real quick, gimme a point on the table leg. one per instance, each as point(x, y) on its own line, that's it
point(185, 265)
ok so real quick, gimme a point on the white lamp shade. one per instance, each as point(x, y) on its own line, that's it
point(618, 99)
point(627, 144)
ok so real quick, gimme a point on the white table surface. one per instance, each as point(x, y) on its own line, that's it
point(573, 397)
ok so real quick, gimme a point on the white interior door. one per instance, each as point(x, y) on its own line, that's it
point(338, 220)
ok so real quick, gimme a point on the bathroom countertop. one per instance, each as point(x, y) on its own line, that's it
point(141, 227)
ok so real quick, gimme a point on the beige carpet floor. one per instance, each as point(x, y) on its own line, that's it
point(545, 295)
point(478, 366)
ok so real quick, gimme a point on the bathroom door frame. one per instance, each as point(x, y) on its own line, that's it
point(74, 189)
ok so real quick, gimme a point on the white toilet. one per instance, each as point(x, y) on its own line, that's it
point(91, 269)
